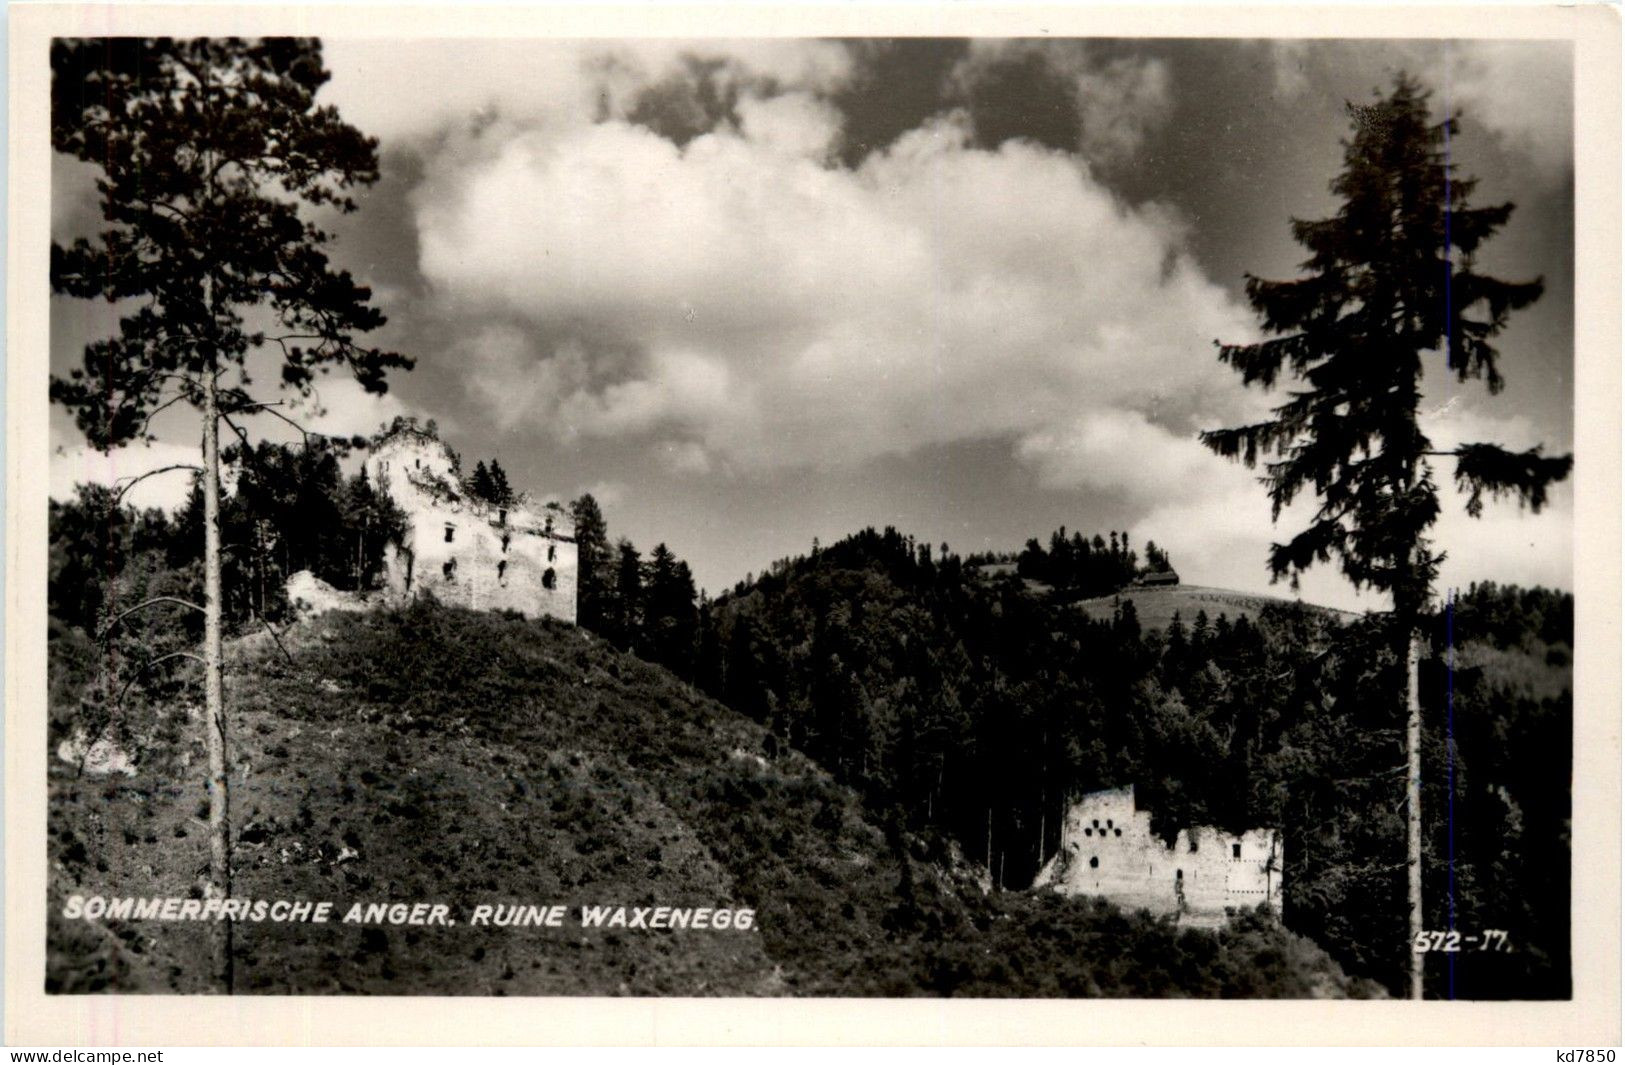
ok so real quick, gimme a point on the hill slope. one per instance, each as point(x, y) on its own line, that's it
point(441, 756)
point(973, 709)
point(1156, 607)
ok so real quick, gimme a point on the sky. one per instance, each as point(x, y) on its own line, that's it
point(754, 293)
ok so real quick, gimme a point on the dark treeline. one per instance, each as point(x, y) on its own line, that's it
point(490, 484)
point(294, 509)
point(966, 709)
point(647, 606)
point(289, 508)
point(1078, 567)
point(970, 710)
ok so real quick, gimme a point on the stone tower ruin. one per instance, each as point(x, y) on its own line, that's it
point(465, 551)
point(1108, 849)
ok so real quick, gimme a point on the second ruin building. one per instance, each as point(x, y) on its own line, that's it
point(1108, 849)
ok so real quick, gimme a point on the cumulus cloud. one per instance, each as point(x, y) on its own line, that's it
point(1116, 101)
point(739, 296)
point(1214, 517)
point(1522, 91)
point(1289, 60)
point(1122, 450)
point(607, 493)
point(79, 464)
point(797, 124)
point(379, 84)
point(338, 406)
point(654, 244)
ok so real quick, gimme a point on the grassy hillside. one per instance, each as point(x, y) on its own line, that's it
point(434, 755)
point(1156, 607)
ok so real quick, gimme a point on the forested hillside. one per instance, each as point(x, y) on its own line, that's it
point(974, 708)
point(499, 760)
point(964, 708)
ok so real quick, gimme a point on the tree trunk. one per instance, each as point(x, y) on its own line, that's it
point(1413, 804)
point(213, 693)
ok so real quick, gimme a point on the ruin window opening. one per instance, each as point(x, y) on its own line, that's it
point(1097, 822)
point(549, 579)
point(1179, 874)
point(1094, 862)
point(502, 567)
point(1118, 831)
point(1235, 850)
point(451, 533)
point(1088, 831)
point(1193, 843)
point(502, 517)
point(1108, 822)
point(505, 539)
point(449, 569)
point(552, 552)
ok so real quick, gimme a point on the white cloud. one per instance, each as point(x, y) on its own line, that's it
point(796, 123)
point(607, 493)
point(684, 456)
point(739, 305)
point(378, 85)
point(1289, 60)
point(1522, 91)
point(1118, 101)
point(340, 407)
point(337, 405)
point(1214, 518)
point(1118, 449)
point(82, 464)
point(780, 312)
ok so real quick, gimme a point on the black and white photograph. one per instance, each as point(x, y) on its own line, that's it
point(1044, 516)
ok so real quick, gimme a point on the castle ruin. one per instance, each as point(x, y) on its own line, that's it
point(466, 551)
point(1108, 849)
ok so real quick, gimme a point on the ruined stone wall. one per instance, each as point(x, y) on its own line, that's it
point(464, 551)
point(1108, 849)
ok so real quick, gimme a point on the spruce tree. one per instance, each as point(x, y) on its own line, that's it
point(1389, 283)
point(595, 575)
point(501, 493)
point(479, 483)
point(626, 631)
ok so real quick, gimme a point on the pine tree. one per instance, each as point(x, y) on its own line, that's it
point(1390, 279)
point(208, 150)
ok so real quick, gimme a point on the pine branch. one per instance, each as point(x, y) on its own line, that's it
point(107, 630)
point(126, 485)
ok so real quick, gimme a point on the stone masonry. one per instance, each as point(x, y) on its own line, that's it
point(464, 551)
point(1108, 849)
